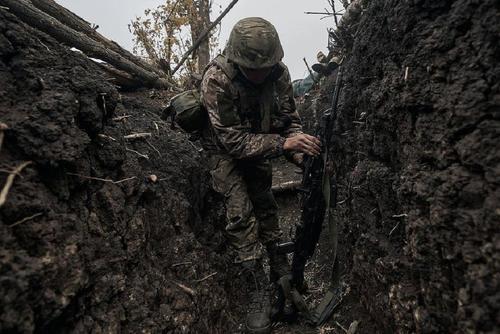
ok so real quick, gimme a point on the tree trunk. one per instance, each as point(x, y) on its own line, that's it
point(75, 22)
point(46, 23)
point(204, 48)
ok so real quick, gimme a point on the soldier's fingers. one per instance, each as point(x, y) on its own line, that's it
point(311, 150)
point(305, 149)
point(313, 139)
point(313, 144)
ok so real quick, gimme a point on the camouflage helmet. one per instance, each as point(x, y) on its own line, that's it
point(254, 43)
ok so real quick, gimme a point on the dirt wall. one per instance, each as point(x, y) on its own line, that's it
point(104, 248)
point(418, 157)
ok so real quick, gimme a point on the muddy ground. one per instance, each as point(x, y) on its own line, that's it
point(106, 234)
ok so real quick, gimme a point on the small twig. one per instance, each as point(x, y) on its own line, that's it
point(121, 118)
point(400, 215)
point(24, 220)
point(157, 128)
point(138, 135)
point(42, 44)
point(186, 289)
point(145, 156)
point(106, 137)
point(205, 278)
point(342, 202)
point(102, 180)
point(341, 327)
point(193, 145)
point(407, 69)
point(10, 181)
point(154, 148)
point(322, 13)
point(181, 264)
point(6, 8)
point(394, 228)
point(358, 122)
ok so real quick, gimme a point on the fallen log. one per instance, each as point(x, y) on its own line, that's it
point(34, 17)
point(119, 78)
point(77, 23)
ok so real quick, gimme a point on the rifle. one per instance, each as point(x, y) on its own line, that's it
point(319, 196)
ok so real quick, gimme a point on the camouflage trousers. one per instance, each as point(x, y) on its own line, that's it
point(252, 211)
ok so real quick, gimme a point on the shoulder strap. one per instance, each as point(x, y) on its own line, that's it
point(222, 62)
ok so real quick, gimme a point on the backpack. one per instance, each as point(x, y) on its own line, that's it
point(187, 111)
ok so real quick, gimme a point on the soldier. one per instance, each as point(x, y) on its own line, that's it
point(247, 92)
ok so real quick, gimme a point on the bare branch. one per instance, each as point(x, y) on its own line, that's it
point(10, 181)
point(102, 180)
point(203, 35)
point(24, 220)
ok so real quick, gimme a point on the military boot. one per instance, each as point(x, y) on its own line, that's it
point(259, 309)
point(279, 273)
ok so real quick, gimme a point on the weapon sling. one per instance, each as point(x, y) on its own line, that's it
point(318, 201)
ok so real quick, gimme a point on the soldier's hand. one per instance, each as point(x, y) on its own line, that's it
point(304, 143)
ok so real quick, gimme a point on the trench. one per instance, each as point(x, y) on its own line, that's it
point(113, 226)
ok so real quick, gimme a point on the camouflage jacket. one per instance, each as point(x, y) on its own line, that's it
point(242, 116)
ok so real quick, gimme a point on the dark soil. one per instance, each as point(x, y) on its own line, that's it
point(98, 256)
point(417, 150)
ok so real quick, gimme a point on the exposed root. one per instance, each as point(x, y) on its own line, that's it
point(10, 181)
point(154, 148)
point(26, 219)
point(145, 156)
point(205, 278)
point(103, 180)
point(186, 289)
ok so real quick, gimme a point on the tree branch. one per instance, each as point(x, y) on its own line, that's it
point(203, 35)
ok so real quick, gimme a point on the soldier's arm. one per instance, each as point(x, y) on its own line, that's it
point(287, 104)
point(238, 141)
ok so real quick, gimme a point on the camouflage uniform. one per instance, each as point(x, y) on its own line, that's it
point(240, 139)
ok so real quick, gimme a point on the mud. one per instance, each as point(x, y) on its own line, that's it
point(418, 159)
point(107, 249)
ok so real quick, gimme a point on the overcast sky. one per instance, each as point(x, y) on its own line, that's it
point(301, 35)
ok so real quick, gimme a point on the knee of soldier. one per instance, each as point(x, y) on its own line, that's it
point(240, 222)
